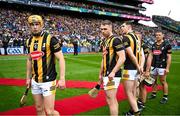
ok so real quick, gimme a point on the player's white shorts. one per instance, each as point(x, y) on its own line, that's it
point(158, 71)
point(45, 88)
point(113, 85)
point(129, 75)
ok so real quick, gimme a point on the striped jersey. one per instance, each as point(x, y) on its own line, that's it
point(131, 40)
point(111, 45)
point(41, 50)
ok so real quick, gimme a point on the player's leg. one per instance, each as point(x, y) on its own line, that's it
point(111, 91)
point(164, 85)
point(112, 101)
point(154, 73)
point(129, 89)
point(49, 105)
point(142, 97)
point(143, 93)
point(49, 91)
point(38, 98)
point(129, 82)
point(154, 91)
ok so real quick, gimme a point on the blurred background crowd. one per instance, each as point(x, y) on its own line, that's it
point(68, 27)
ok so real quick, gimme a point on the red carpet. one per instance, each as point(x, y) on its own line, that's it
point(73, 105)
point(69, 84)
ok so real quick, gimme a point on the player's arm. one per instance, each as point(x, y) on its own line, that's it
point(119, 63)
point(28, 66)
point(56, 49)
point(132, 57)
point(130, 53)
point(60, 57)
point(149, 62)
point(142, 59)
point(101, 71)
point(28, 70)
point(168, 62)
point(119, 49)
point(168, 59)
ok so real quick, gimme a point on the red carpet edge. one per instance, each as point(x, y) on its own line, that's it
point(68, 106)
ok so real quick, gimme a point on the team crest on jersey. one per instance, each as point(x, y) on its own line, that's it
point(35, 55)
point(157, 52)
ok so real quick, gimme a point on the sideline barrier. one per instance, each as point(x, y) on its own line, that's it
point(13, 50)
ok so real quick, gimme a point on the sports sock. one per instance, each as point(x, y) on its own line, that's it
point(154, 93)
point(165, 96)
point(97, 86)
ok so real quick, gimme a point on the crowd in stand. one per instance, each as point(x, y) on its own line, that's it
point(91, 6)
point(14, 29)
point(169, 20)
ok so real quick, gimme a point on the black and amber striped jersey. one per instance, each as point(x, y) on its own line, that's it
point(159, 53)
point(131, 40)
point(110, 48)
point(145, 48)
point(41, 50)
point(146, 53)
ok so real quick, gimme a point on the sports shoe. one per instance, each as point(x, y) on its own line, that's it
point(141, 106)
point(138, 113)
point(164, 100)
point(152, 96)
point(129, 113)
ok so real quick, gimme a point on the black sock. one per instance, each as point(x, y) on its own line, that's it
point(139, 101)
point(154, 93)
point(165, 96)
point(130, 111)
point(97, 86)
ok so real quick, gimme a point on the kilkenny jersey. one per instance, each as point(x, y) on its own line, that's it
point(41, 50)
point(160, 54)
point(145, 48)
point(110, 47)
point(131, 40)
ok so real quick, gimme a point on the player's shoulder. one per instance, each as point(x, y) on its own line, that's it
point(47, 34)
point(117, 37)
point(28, 40)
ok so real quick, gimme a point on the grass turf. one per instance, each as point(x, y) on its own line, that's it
point(85, 67)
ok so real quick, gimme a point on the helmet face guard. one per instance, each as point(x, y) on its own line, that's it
point(35, 19)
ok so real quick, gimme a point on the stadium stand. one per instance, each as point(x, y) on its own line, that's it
point(61, 23)
point(167, 23)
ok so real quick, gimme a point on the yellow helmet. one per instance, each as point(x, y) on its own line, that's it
point(35, 18)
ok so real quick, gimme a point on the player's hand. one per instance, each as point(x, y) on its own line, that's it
point(140, 70)
point(61, 84)
point(28, 82)
point(111, 76)
point(100, 77)
point(146, 74)
point(104, 52)
point(166, 71)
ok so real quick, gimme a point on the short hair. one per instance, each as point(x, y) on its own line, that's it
point(137, 32)
point(106, 22)
point(159, 31)
point(127, 22)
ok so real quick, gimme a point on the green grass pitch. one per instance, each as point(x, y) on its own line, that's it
point(86, 67)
